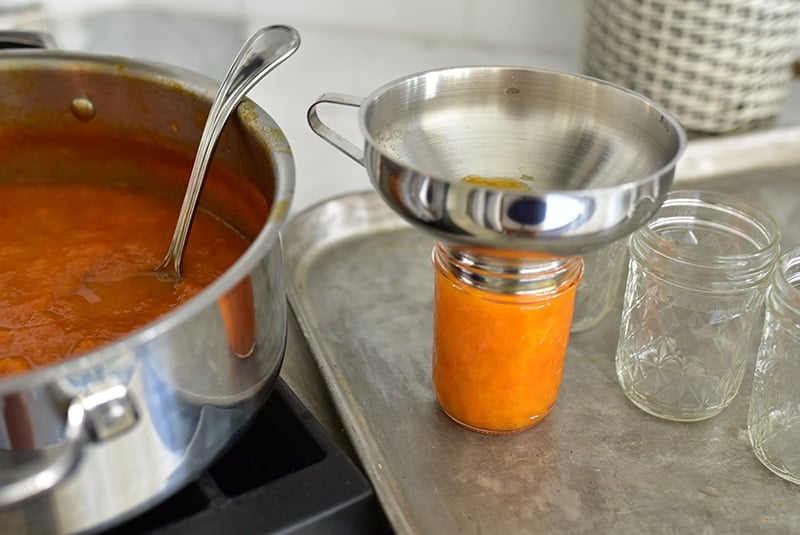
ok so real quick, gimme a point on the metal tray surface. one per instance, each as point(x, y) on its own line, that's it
point(360, 282)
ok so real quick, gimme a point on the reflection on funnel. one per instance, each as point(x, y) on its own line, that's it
point(526, 212)
point(525, 215)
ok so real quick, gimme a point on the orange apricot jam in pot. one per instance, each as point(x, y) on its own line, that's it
point(501, 327)
point(74, 261)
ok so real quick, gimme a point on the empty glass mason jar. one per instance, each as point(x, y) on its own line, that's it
point(693, 306)
point(601, 285)
point(774, 417)
point(500, 331)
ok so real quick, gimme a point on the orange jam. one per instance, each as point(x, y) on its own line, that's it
point(74, 263)
point(515, 184)
point(501, 327)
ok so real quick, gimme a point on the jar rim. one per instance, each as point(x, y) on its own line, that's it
point(786, 282)
point(758, 227)
point(508, 272)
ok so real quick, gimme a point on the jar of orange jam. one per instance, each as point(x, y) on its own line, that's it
point(501, 327)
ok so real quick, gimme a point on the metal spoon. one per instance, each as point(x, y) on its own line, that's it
point(263, 51)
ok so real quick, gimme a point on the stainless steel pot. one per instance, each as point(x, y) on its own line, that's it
point(94, 440)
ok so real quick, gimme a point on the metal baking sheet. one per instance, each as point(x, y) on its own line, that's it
point(360, 283)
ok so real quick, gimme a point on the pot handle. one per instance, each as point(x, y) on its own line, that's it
point(329, 134)
point(11, 39)
point(99, 416)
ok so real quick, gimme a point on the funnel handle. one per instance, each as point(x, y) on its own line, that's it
point(329, 134)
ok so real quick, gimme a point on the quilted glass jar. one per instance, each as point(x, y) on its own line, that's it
point(774, 416)
point(693, 305)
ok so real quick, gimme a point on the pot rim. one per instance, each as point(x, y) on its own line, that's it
point(204, 88)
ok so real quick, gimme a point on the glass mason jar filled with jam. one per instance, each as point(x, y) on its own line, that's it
point(501, 326)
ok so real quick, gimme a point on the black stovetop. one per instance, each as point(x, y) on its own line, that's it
point(284, 475)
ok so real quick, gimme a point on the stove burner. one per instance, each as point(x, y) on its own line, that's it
point(284, 475)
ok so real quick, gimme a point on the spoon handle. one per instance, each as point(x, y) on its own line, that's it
point(262, 52)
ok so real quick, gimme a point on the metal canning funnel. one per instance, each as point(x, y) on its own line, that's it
point(583, 162)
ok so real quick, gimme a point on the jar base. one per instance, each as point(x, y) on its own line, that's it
point(495, 432)
point(770, 450)
point(697, 416)
point(775, 469)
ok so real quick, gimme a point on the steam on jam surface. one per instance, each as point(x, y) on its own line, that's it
point(73, 259)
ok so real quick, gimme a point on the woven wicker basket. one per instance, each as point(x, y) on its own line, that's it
point(717, 65)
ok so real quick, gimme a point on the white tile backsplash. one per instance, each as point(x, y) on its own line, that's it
point(546, 25)
point(61, 8)
point(543, 25)
point(439, 19)
point(223, 8)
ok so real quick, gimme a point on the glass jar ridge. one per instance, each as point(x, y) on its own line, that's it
point(502, 272)
point(783, 296)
